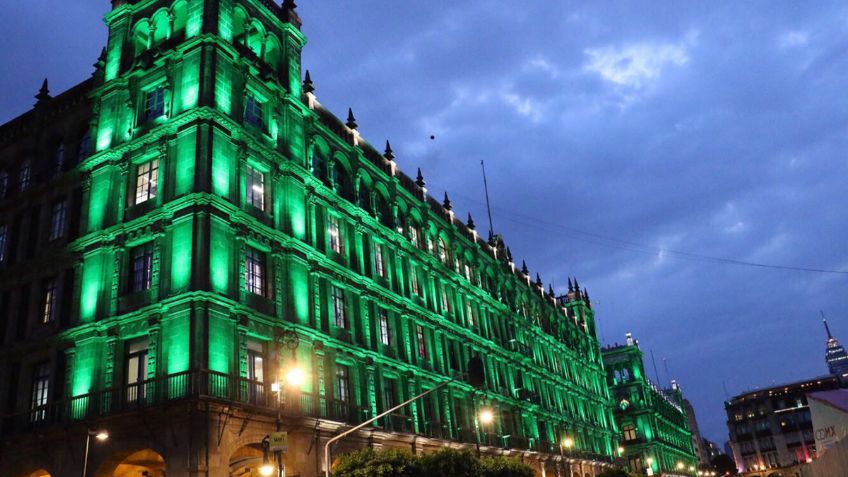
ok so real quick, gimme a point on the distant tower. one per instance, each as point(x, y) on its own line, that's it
point(836, 357)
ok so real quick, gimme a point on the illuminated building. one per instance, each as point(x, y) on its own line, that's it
point(653, 424)
point(836, 357)
point(771, 429)
point(222, 229)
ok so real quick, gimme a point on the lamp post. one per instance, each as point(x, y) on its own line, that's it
point(294, 378)
point(566, 443)
point(100, 436)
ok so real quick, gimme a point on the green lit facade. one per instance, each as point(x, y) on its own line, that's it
point(655, 435)
point(227, 228)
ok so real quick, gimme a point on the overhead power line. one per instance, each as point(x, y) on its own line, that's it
point(621, 244)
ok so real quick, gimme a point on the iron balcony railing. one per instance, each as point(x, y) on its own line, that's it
point(213, 385)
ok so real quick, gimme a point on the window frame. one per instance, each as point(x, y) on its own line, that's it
point(137, 351)
point(256, 272)
point(58, 219)
point(49, 301)
point(341, 388)
point(154, 102)
point(39, 391)
point(25, 176)
point(140, 269)
point(334, 234)
point(384, 327)
point(340, 319)
point(253, 197)
point(146, 181)
point(254, 111)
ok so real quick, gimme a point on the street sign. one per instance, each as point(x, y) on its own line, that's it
point(279, 441)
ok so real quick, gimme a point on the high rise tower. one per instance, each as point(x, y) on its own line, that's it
point(835, 355)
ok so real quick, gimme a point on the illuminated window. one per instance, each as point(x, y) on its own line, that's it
point(421, 341)
point(254, 265)
point(414, 237)
point(342, 383)
point(58, 217)
point(334, 232)
point(445, 302)
point(629, 432)
point(40, 391)
point(413, 280)
point(136, 370)
point(49, 301)
point(255, 188)
point(25, 176)
point(443, 251)
point(339, 317)
point(255, 370)
point(154, 104)
point(469, 312)
point(146, 181)
point(253, 112)
point(378, 261)
point(141, 267)
point(385, 336)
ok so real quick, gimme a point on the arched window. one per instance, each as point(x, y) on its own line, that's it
point(160, 27)
point(443, 251)
point(84, 146)
point(364, 199)
point(341, 181)
point(239, 26)
point(318, 163)
point(384, 213)
point(272, 52)
point(255, 38)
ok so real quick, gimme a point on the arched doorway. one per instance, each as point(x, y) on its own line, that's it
point(144, 462)
point(246, 461)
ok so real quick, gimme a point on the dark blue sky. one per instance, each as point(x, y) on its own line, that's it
point(613, 134)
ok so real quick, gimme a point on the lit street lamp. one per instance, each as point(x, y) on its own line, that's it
point(101, 436)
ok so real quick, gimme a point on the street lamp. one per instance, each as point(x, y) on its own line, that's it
point(101, 436)
point(620, 450)
point(568, 443)
point(267, 469)
point(487, 416)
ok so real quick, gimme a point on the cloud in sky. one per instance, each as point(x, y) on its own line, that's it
point(612, 134)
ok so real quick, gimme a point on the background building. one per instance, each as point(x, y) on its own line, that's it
point(836, 357)
point(697, 440)
point(188, 227)
point(772, 428)
point(655, 436)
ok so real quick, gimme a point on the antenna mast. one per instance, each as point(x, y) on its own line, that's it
point(488, 204)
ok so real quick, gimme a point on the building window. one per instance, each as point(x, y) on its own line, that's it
point(4, 184)
point(414, 237)
point(413, 280)
point(59, 158)
point(154, 104)
point(339, 318)
point(147, 180)
point(445, 302)
point(469, 312)
point(255, 371)
point(254, 265)
point(141, 269)
point(378, 261)
point(389, 394)
point(136, 370)
point(253, 112)
point(3, 235)
point(58, 218)
point(342, 383)
point(334, 231)
point(255, 188)
point(49, 301)
point(25, 176)
point(629, 432)
point(385, 334)
point(443, 251)
point(84, 147)
point(40, 391)
point(420, 340)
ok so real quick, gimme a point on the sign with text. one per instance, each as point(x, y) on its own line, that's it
point(279, 441)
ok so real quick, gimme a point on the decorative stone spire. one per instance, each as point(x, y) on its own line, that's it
point(389, 154)
point(447, 203)
point(44, 92)
point(576, 285)
point(538, 280)
point(570, 286)
point(351, 120)
point(290, 15)
point(550, 290)
point(308, 87)
point(470, 222)
point(419, 180)
point(509, 254)
point(524, 268)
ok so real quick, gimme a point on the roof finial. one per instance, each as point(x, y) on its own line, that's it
point(447, 203)
point(308, 87)
point(389, 154)
point(524, 268)
point(509, 254)
point(420, 179)
point(351, 120)
point(576, 285)
point(551, 290)
point(470, 223)
point(570, 286)
point(538, 280)
point(44, 92)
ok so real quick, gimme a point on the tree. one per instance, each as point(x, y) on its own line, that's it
point(614, 473)
point(386, 463)
point(451, 462)
point(500, 466)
